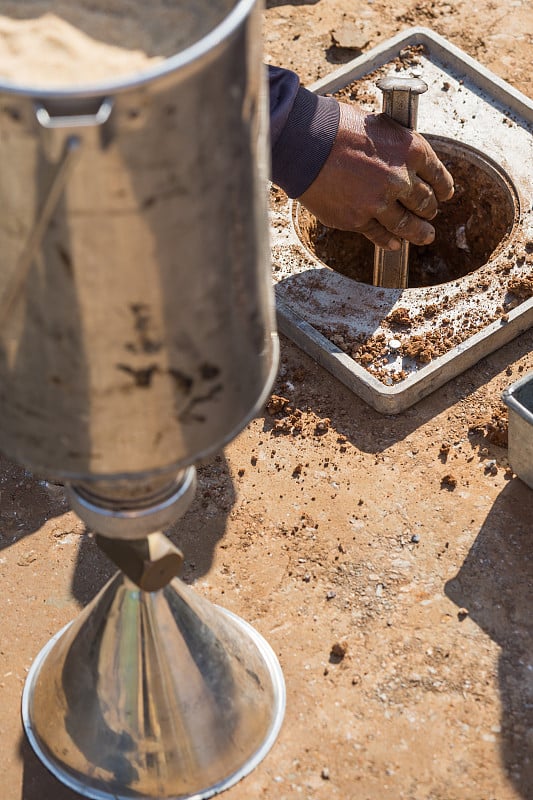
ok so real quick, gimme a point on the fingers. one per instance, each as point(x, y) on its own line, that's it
point(420, 199)
point(411, 148)
point(434, 173)
point(381, 180)
point(403, 224)
point(380, 236)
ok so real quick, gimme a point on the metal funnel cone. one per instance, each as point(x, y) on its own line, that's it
point(153, 695)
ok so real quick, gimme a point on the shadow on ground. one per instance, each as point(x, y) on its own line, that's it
point(38, 782)
point(367, 429)
point(495, 585)
point(27, 503)
point(275, 3)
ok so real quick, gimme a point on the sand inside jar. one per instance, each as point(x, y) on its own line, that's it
point(60, 44)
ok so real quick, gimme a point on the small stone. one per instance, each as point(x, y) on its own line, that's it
point(331, 594)
point(325, 774)
point(27, 558)
point(322, 425)
point(462, 614)
point(277, 404)
point(350, 35)
point(338, 651)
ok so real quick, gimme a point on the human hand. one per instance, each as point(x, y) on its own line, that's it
point(381, 180)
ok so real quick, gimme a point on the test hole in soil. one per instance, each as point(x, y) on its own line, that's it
point(470, 228)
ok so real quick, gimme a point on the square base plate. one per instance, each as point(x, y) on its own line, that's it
point(325, 312)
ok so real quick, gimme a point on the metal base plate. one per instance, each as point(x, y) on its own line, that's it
point(318, 307)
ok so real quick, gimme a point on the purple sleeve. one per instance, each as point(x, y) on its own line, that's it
point(303, 127)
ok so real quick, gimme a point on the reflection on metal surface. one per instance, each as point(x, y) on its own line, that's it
point(519, 400)
point(391, 267)
point(98, 114)
point(52, 196)
point(153, 695)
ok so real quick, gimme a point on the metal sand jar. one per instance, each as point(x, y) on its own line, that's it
point(136, 315)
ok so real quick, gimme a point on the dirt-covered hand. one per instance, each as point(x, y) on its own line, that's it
point(380, 179)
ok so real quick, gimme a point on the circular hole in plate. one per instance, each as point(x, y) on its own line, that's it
point(470, 229)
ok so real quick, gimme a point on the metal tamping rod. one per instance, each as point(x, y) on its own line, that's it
point(400, 101)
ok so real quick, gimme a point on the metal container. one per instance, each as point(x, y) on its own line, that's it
point(519, 399)
point(136, 311)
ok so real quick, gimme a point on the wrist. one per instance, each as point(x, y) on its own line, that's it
point(305, 142)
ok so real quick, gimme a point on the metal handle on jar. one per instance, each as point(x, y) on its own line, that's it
point(81, 113)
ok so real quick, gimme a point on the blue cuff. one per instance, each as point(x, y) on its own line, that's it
point(305, 141)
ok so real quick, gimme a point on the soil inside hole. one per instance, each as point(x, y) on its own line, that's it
point(469, 228)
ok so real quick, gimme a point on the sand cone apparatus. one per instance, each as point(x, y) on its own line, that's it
point(152, 692)
point(138, 337)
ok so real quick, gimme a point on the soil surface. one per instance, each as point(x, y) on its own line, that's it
point(387, 560)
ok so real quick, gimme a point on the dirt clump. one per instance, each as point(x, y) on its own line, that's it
point(521, 288)
point(419, 348)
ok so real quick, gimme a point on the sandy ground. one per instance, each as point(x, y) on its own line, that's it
point(403, 543)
